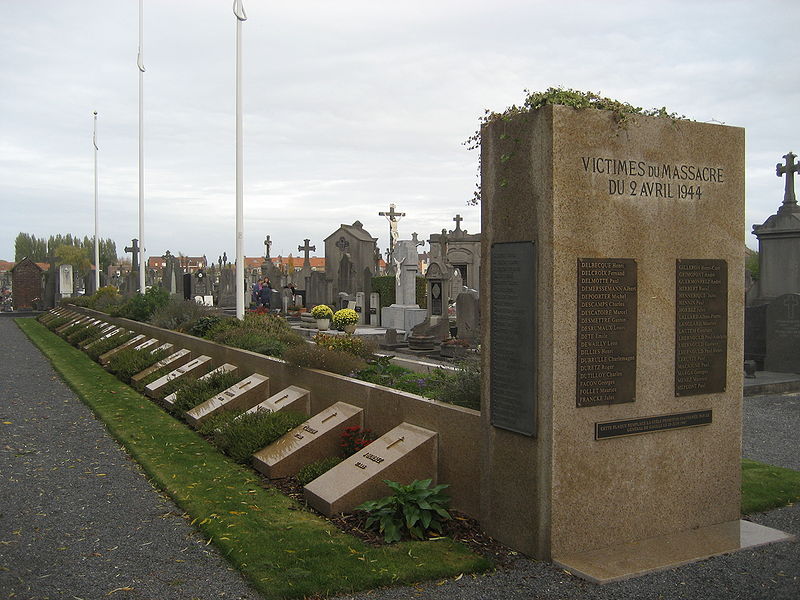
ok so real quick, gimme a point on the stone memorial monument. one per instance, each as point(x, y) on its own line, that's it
point(612, 358)
point(405, 313)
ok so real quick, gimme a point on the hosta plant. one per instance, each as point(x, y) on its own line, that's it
point(415, 509)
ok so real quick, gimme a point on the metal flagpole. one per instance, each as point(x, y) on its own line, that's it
point(238, 10)
point(140, 64)
point(96, 218)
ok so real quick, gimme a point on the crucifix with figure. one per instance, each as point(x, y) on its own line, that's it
point(393, 217)
point(789, 169)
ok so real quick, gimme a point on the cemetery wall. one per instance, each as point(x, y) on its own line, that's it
point(385, 408)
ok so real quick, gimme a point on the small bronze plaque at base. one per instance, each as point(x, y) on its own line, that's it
point(612, 429)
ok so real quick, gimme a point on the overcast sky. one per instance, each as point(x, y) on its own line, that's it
point(349, 106)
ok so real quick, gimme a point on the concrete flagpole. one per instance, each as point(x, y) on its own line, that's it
point(140, 64)
point(96, 208)
point(238, 10)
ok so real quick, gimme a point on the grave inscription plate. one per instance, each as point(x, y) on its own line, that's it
point(701, 326)
point(607, 314)
point(626, 427)
point(513, 333)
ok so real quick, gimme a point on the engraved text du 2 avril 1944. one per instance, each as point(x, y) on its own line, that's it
point(642, 179)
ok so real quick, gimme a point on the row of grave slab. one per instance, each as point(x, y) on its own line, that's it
point(407, 448)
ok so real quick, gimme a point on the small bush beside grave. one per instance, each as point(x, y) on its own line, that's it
point(197, 391)
point(109, 343)
point(352, 345)
point(180, 315)
point(250, 432)
point(310, 472)
point(76, 337)
point(413, 510)
point(318, 357)
point(263, 333)
point(129, 361)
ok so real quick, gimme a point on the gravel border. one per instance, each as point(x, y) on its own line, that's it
point(78, 518)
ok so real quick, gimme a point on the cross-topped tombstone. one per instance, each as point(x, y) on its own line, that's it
point(458, 219)
point(416, 240)
point(134, 249)
point(267, 246)
point(306, 249)
point(789, 169)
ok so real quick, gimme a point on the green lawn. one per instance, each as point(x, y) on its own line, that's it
point(765, 486)
point(284, 552)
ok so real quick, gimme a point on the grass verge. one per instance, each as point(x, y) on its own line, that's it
point(766, 486)
point(284, 552)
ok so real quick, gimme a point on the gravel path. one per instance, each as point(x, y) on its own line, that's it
point(772, 429)
point(78, 519)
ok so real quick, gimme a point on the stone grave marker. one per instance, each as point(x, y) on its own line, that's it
point(65, 281)
point(225, 368)
point(374, 309)
point(292, 398)
point(107, 335)
point(194, 368)
point(317, 438)
point(405, 453)
point(104, 359)
point(242, 396)
point(468, 317)
point(176, 359)
point(151, 343)
point(105, 331)
point(74, 320)
point(783, 334)
point(360, 307)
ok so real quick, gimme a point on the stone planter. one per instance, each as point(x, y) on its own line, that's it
point(452, 351)
point(323, 324)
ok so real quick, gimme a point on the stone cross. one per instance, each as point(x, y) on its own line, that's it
point(791, 304)
point(134, 249)
point(306, 248)
point(168, 258)
point(458, 219)
point(267, 245)
point(789, 169)
point(416, 240)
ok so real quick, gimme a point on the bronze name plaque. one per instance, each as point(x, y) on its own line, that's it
point(612, 429)
point(606, 357)
point(512, 359)
point(701, 326)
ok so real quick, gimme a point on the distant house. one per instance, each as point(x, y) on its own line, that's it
point(283, 262)
point(189, 264)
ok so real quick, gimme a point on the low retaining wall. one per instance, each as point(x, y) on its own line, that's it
point(385, 408)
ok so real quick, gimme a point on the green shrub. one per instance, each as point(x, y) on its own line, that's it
point(346, 343)
point(317, 357)
point(128, 362)
point(252, 341)
point(462, 387)
point(251, 432)
point(204, 324)
point(219, 420)
point(72, 329)
point(310, 472)
point(197, 391)
point(179, 314)
point(57, 322)
point(103, 346)
point(414, 509)
point(142, 306)
point(263, 333)
point(83, 334)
